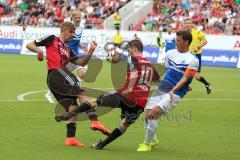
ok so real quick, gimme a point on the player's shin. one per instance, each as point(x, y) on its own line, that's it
point(80, 109)
point(114, 135)
point(151, 131)
point(92, 115)
point(71, 129)
point(154, 139)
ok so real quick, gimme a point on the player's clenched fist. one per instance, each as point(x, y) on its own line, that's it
point(40, 56)
point(93, 45)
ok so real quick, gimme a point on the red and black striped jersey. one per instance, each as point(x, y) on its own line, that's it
point(141, 88)
point(58, 54)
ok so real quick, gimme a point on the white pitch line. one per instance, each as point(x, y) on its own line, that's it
point(21, 96)
point(16, 100)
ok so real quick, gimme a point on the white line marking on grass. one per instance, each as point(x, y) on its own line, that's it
point(21, 96)
point(16, 100)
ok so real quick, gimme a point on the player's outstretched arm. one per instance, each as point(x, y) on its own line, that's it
point(83, 61)
point(34, 48)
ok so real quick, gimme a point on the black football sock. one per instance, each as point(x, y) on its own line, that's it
point(71, 129)
point(203, 80)
point(114, 135)
point(80, 109)
point(92, 115)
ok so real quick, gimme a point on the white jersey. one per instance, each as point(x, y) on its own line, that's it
point(176, 64)
point(170, 40)
point(75, 42)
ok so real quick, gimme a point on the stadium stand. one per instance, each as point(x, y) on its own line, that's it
point(213, 17)
point(53, 12)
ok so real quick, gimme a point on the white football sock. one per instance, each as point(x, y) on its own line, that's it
point(154, 138)
point(151, 131)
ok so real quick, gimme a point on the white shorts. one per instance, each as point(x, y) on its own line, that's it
point(73, 67)
point(162, 99)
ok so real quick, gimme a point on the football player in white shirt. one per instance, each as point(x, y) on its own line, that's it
point(181, 66)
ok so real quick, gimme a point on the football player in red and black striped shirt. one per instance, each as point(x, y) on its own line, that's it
point(131, 98)
point(63, 84)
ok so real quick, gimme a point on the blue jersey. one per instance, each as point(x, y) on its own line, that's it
point(170, 41)
point(75, 42)
point(176, 64)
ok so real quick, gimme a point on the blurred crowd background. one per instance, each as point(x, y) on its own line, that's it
point(211, 16)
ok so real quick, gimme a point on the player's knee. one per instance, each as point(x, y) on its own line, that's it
point(72, 107)
point(197, 75)
point(82, 73)
point(123, 127)
point(147, 112)
point(83, 97)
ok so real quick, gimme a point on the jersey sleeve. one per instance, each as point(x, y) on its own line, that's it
point(44, 41)
point(192, 67)
point(194, 64)
point(132, 63)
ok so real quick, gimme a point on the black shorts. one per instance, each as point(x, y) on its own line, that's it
point(65, 87)
point(129, 111)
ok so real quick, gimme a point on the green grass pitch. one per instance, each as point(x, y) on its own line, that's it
point(202, 127)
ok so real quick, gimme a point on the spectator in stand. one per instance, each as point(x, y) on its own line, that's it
point(209, 16)
point(54, 12)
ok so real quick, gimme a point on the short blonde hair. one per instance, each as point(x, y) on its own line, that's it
point(76, 12)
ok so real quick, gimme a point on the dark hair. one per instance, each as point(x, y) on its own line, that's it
point(135, 44)
point(186, 35)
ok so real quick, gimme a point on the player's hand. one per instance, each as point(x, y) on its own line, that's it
point(155, 113)
point(93, 45)
point(171, 94)
point(40, 56)
point(196, 49)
